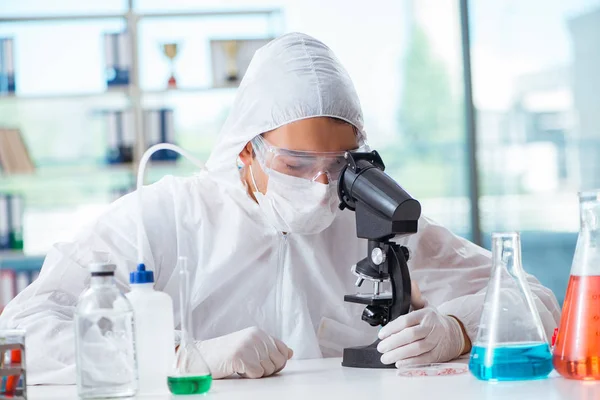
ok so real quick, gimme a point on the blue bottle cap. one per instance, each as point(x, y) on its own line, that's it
point(141, 275)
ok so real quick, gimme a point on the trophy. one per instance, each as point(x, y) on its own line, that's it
point(231, 50)
point(170, 50)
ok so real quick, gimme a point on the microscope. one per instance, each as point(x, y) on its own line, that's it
point(384, 213)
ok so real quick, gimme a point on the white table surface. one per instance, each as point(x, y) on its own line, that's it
point(327, 379)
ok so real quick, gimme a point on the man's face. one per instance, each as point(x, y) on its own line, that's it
point(320, 134)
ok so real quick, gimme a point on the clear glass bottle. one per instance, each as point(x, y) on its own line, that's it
point(104, 336)
point(511, 343)
point(577, 349)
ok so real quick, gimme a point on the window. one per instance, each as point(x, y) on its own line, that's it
point(535, 90)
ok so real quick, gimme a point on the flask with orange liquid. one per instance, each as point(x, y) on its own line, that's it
point(577, 350)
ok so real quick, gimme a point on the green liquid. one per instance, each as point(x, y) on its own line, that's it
point(189, 384)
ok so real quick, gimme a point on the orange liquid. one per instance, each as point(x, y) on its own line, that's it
point(12, 381)
point(577, 350)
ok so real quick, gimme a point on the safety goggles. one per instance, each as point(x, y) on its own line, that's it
point(302, 164)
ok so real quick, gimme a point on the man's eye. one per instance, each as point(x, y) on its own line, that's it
point(292, 167)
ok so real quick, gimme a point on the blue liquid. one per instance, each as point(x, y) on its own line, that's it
point(511, 363)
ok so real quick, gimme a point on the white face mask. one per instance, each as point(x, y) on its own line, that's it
point(297, 205)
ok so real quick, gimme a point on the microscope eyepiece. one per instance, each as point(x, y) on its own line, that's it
point(383, 208)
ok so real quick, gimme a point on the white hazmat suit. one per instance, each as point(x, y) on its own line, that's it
point(244, 272)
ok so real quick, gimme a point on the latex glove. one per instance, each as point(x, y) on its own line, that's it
point(420, 337)
point(251, 353)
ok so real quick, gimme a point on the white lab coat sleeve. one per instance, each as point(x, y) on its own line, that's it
point(453, 273)
point(45, 309)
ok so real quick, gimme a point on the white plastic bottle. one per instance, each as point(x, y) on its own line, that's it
point(154, 330)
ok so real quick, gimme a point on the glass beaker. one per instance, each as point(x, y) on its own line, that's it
point(511, 343)
point(190, 374)
point(577, 349)
point(13, 381)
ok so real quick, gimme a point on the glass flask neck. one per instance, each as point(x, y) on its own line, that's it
point(589, 207)
point(586, 261)
point(189, 363)
point(186, 309)
point(507, 251)
point(509, 316)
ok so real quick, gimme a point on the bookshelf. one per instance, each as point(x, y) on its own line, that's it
point(113, 93)
point(78, 185)
point(20, 262)
point(84, 181)
point(133, 93)
point(112, 97)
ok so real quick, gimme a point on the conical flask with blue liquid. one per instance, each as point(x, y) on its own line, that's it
point(511, 343)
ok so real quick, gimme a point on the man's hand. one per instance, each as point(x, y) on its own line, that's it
point(251, 353)
point(422, 336)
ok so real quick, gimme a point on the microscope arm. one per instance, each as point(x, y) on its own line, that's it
point(399, 280)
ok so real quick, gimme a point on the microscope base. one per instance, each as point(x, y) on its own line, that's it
point(364, 357)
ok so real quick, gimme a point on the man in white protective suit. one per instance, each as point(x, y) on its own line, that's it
point(268, 249)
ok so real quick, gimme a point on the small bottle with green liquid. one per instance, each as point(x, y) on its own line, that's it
point(190, 374)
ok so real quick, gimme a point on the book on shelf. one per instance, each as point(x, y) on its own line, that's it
point(120, 136)
point(7, 287)
point(14, 282)
point(7, 66)
point(117, 56)
point(14, 155)
point(160, 128)
point(4, 222)
point(11, 221)
point(158, 124)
